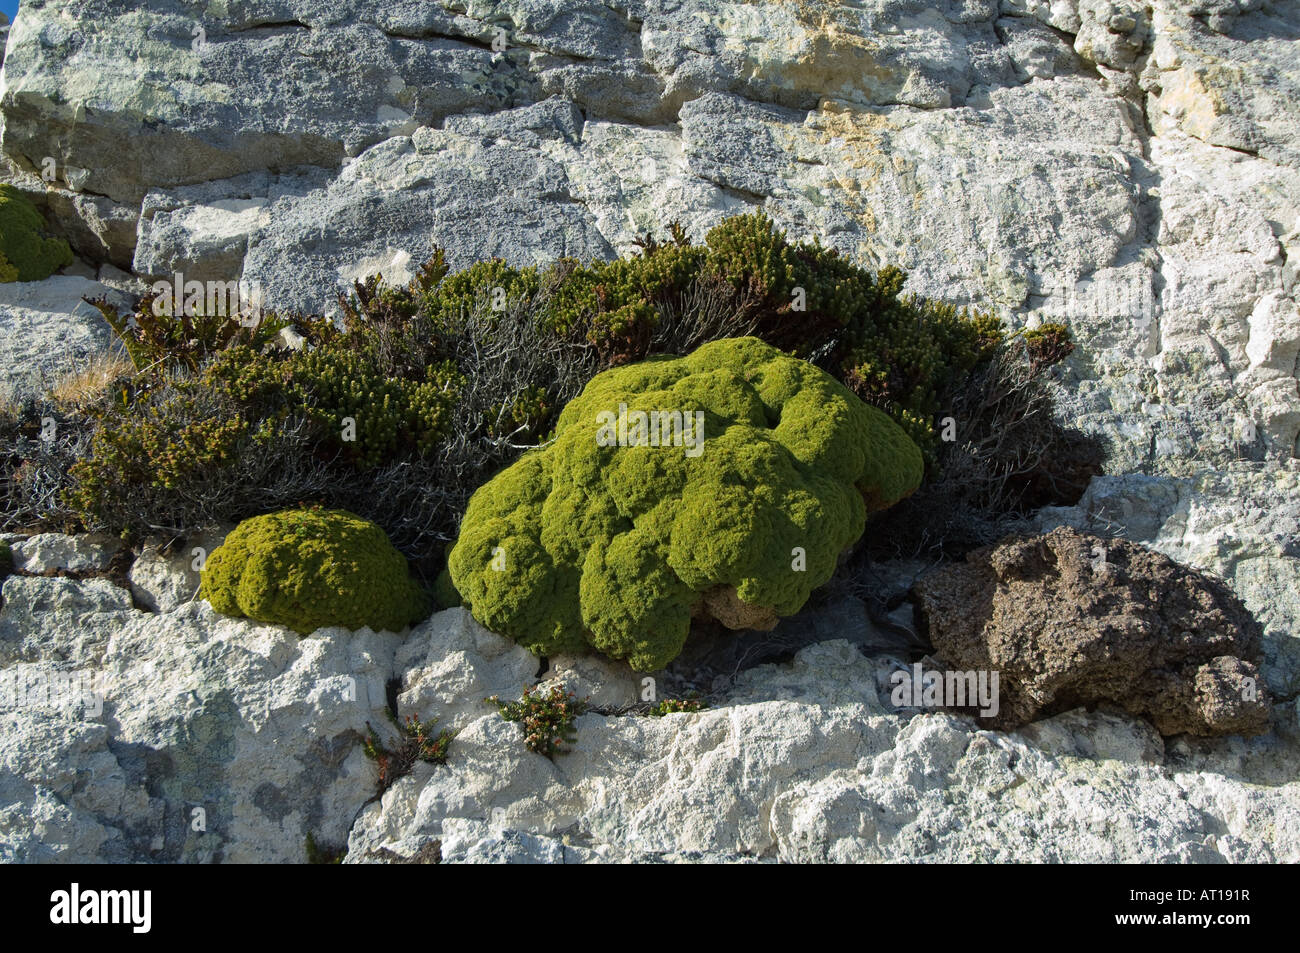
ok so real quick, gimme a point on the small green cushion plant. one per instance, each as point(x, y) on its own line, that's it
point(309, 568)
point(26, 253)
point(611, 541)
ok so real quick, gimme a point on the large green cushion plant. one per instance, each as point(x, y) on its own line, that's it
point(583, 545)
point(310, 568)
point(26, 253)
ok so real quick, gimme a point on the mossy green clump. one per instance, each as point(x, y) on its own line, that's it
point(614, 534)
point(26, 252)
point(309, 568)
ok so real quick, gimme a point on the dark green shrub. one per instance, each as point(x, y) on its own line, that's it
point(1005, 457)
point(1048, 344)
point(910, 356)
point(444, 387)
point(374, 303)
point(674, 706)
point(161, 442)
point(363, 408)
point(159, 340)
point(617, 306)
point(179, 481)
point(190, 443)
point(419, 743)
point(492, 285)
point(546, 720)
point(34, 464)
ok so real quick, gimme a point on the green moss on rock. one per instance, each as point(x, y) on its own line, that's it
point(26, 253)
point(310, 568)
point(614, 547)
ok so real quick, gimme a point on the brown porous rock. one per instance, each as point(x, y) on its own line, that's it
point(1069, 619)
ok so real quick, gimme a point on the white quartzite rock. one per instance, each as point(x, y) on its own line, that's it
point(47, 551)
point(804, 763)
point(163, 577)
point(262, 730)
point(46, 331)
point(219, 739)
